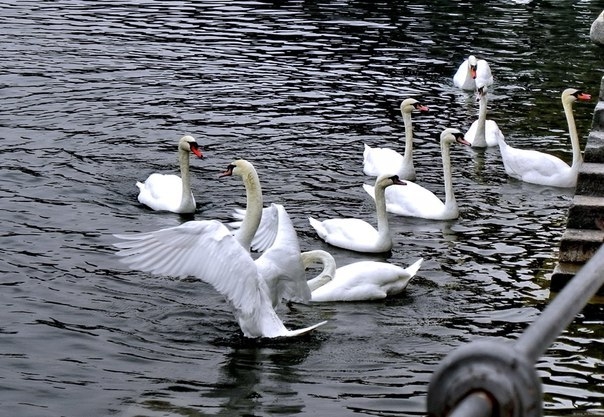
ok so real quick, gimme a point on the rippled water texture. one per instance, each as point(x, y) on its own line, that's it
point(95, 96)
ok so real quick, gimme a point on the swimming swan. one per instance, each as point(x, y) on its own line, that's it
point(356, 234)
point(359, 281)
point(470, 71)
point(416, 201)
point(541, 168)
point(377, 161)
point(168, 192)
point(483, 132)
point(209, 251)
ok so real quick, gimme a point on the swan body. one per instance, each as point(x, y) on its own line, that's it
point(470, 72)
point(483, 133)
point(209, 251)
point(541, 168)
point(596, 31)
point(414, 200)
point(377, 161)
point(166, 192)
point(356, 234)
point(359, 281)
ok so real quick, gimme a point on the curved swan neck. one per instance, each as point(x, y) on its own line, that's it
point(450, 202)
point(329, 267)
point(408, 155)
point(574, 136)
point(187, 197)
point(253, 209)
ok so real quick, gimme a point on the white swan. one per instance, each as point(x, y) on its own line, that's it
point(207, 250)
point(541, 168)
point(470, 71)
point(271, 231)
point(356, 234)
point(167, 192)
point(358, 281)
point(377, 161)
point(416, 201)
point(483, 132)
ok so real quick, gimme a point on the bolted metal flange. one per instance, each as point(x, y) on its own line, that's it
point(492, 367)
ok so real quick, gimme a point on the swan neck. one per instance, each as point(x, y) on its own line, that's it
point(482, 119)
point(448, 176)
point(574, 136)
point(408, 155)
point(183, 159)
point(253, 209)
point(329, 267)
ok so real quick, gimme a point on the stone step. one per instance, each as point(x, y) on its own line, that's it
point(594, 148)
point(578, 246)
point(585, 211)
point(565, 272)
point(591, 179)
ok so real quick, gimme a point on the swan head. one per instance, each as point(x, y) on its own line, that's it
point(188, 144)
point(239, 167)
point(473, 64)
point(570, 95)
point(451, 135)
point(410, 104)
point(481, 90)
point(386, 180)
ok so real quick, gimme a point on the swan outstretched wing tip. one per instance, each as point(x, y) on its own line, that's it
point(298, 332)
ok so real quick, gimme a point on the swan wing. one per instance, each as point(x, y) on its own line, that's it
point(204, 249)
point(281, 264)
point(483, 73)
point(267, 229)
point(377, 161)
point(532, 166)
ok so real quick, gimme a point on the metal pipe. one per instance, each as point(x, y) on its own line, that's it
point(562, 310)
point(476, 404)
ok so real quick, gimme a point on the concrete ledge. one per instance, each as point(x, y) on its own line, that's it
point(594, 148)
point(591, 179)
point(579, 245)
point(584, 211)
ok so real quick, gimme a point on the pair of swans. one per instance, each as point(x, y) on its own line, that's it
point(166, 192)
point(377, 161)
point(541, 168)
point(471, 72)
point(208, 250)
point(413, 200)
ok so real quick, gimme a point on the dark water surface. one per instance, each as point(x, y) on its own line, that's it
point(95, 95)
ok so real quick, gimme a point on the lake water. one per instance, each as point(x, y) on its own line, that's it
point(96, 94)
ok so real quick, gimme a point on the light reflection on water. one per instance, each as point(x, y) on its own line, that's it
point(95, 96)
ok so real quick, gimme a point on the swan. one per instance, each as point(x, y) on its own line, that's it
point(416, 201)
point(356, 234)
point(541, 168)
point(208, 250)
point(281, 264)
point(470, 71)
point(167, 192)
point(359, 281)
point(483, 132)
point(378, 161)
point(596, 31)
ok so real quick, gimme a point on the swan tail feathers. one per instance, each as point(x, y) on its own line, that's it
point(298, 332)
point(412, 270)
